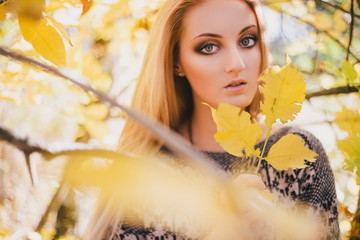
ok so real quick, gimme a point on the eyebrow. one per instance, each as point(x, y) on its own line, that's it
point(219, 36)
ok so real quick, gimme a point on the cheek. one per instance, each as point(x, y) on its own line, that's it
point(197, 68)
point(257, 60)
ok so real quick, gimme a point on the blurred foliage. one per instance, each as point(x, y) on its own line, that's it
point(105, 40)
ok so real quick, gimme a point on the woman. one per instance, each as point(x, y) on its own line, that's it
point(213, 51)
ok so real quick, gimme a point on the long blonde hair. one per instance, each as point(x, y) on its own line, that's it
point(159, 93)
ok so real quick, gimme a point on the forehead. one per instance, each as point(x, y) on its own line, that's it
point(218, 16)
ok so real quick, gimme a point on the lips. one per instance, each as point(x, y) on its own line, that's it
point(236, 84)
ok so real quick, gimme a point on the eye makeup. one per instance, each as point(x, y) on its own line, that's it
point(211, 45)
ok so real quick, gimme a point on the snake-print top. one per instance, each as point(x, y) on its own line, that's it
point(314, 186)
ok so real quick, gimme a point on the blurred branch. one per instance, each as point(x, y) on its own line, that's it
point(329, 35)
point(351, 29)
point(23, 145)
point(20, 143)
point(335, 6)
point(269, 2)
point(55, 203)
point(332, 91)
point(170, 138)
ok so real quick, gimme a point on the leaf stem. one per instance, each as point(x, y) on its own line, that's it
point(262, 152)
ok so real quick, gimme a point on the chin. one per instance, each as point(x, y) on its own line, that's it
point(238, 104)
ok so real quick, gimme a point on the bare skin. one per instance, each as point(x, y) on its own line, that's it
point(222, 64)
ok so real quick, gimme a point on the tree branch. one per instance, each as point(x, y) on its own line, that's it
point(333, 91)
point(20, 143)
point(23, 145)
point(351, 30)
point(55, 203)
point(266, 3)
point(336, 7)
point(170, 138)
point(329, 35)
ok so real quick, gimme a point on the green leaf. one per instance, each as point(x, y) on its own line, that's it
point(349, 71)
point(350, 147)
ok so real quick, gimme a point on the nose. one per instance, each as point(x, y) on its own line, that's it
point(235, 63)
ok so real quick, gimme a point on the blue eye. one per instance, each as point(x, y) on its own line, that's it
point(248, 41)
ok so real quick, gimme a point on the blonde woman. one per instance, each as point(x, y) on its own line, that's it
point(213, 51)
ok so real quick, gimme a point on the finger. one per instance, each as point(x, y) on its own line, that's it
point(250, 180)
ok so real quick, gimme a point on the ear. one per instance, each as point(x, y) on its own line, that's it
point(179, 70)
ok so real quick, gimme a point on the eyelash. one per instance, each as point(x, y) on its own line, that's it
point(251, 37)
point(203, 46)
point(206, 44)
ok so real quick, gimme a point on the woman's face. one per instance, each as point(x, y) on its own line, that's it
point(219, 52)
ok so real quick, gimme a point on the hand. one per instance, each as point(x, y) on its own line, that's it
point(250, 180)
point(239, 219)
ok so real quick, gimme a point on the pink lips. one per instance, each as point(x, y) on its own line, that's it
point(236, 85)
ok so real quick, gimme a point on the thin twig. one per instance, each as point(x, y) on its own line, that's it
point(328, 34)
point(351, 30)
point(19, 142)
point(270, 2)
point(56, 201)
point(335, 6)
point(333, 91)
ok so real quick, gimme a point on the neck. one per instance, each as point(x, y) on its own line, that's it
point(203, 129)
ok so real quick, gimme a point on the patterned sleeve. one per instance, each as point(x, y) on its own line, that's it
point(317, 186)
point(314, 185)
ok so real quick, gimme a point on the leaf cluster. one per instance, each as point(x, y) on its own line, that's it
point(284, 92)
point(39, 28)
point(348, 120)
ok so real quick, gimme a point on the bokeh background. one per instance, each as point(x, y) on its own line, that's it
point(105, 41)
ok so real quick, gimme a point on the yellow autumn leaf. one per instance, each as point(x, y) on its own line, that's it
point(90, 68)
point(56, 4)
point(276, 5)
point(68, 237)
point(44, 38)
point(290, 152)
point(3, 12)
point(338, 18)
point(32, 9)
point(348, 120)
point(47, 234)
point(283, 91)
point(97, 129)
point(4, 233)
point(131, 180)
point(319, 20)
point(236, 131)
point(86, 5)
point(7, 98)
point(351, 150)
point(60, 28)
point(96, 111)
point(311, 6)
